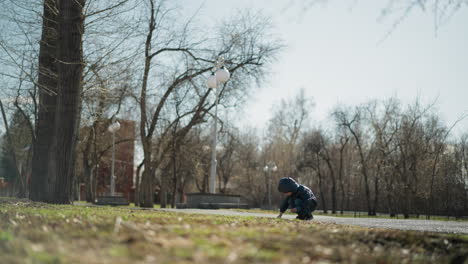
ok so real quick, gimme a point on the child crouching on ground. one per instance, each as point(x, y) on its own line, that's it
point(299, 198)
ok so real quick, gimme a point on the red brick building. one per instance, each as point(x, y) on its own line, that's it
point(124, 162)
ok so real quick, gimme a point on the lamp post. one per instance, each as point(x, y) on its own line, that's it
point(268, 169)
point(114, 127)
point(219, 75)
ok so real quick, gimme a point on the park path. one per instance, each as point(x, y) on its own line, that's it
point(456, 227)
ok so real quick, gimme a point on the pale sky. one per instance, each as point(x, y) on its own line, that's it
point(335, 52)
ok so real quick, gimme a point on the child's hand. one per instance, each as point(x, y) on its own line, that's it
point(293, 210)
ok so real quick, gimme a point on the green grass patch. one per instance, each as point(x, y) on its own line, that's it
point(43, 233)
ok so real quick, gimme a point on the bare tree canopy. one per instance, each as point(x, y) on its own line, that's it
point(396, 11)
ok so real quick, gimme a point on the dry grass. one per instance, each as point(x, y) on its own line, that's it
point(41, 233)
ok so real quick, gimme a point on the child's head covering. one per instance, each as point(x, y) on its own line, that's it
point(287, 185)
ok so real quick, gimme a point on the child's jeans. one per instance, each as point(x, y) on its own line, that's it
point(304, 208)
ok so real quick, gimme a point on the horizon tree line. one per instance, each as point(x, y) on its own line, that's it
point(90, 62)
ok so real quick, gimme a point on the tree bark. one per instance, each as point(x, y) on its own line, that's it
point(70, 69)
point(363, 170)
point(174, 171)
point(137, 184)
point(327, 158)
point(376, 189)
point(163, 190)
point(146, 187)
point(47, 82)
point(340, 173)
point(87, 169)
point(146, 191)
point(322, 189)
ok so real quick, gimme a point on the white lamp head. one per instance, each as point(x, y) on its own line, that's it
point(265, 169)
point(212, 81)
point(274, 168)
point(114, 127)
point(222, 75)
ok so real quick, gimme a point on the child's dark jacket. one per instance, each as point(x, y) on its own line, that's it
point(302, 197)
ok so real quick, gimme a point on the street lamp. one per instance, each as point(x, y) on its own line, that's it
point(114, 127)
point(268, 169)
point(219, 75)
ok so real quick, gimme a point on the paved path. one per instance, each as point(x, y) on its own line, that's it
point(457, 227)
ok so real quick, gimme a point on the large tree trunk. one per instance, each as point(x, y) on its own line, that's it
point(137, 184)
point(180, 190)
point(52, 167)
point(321, 187)
point(174, 179)
point(364, 172)
point(333, 188)
point(163, 192)
point(71, 28)
point(45, 127)
point(390, 200)
point(94, 173)
point(340, 174)
point(146, 186)
point(342, 190)
point(376, 189)
point(146, 189)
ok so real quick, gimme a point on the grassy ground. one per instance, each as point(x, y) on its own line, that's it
point(42, 233)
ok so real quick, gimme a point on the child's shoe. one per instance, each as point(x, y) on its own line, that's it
point(305, 217)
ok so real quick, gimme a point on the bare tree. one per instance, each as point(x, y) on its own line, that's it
point(248, 180)
point(12, 152)
point(21, 18)
point(343, 145)
point(40, 70)
point(404, 157)
point(353, 122)
point(20, 100)
point(443, 10)
point(290, 117)
point(312, 158)
point(398, 10)
point(327, 155)
point(461, 156)
point(385, 125)
point(226, 160)
point(245, 52)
